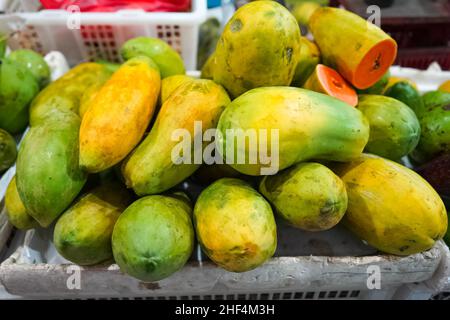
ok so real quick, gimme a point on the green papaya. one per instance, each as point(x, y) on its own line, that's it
point(309, 59)
point(308, 195)
point(8, 150)
point(34, 62)
point(293, 124)
point(15, 210)
point(260, 46)
point(166, 58)
point(83, 233)
point(394, 127)
point(48, 175)
point(235, 225)
point(18, 87)
point(154, 237)
point(435, 99)
point(406, 93)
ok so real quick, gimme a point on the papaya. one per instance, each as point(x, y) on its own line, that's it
point(18, 87)
point(308, 196)
point(309, 59)
point(445, 86)
point(304, 10)
point(435, 99)
point(209, 34)
point(83, 233)
point(15, 210)
point(394, 127)
point(169, 84)
point(88, 96)
point(379, 87)
point(328, 81)
point(65, 93)
point(154, 237)
point(394, 80)
point(235, 225)
point(48, 174)
point(271, 38)
point(113, 67)
point(207, 71)
point(34, 62)
point(117, 117)
point(8, 150)
point(406, 93)
point(159, 163)
point(166, 58)
point(360, 51)
point(391, 207)
point(296, 125)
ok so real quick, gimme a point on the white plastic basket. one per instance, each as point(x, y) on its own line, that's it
point(89, 36)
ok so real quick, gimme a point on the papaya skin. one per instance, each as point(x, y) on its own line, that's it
point(154, 237)
point(8, 150)
point(34, 62)
point(83, 233)
point(271, 38)
point(150, 169)
point(391, 207)
point(308, 196)
point(207, 71)
point(16, 211)
point(310, 125)
point(65, 93)
point(309, 58)
point(88, 96)
point(117, 117)
point(235, 225)
point(169, 84)
point(360, 51)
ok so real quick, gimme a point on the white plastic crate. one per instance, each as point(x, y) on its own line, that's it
point(100, 35)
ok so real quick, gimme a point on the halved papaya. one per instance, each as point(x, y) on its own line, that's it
point(329, 81)
point(359, 50)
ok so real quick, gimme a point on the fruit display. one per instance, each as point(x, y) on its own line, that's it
point(135, 163)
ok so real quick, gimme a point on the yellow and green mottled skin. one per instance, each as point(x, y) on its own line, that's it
point(260, 46)
point(48, 174)
point(235, 225)
point(308, 196)
point(150, 169)
point(310, 125)
point(8, 150)
point(170, 84)
point(394, 127)
point(309, 59)
point(391, 207)
point(15, 210)
point(154, 237)
point(65, 93)
point(83, 233)
point(34, 62)
point(208, 68)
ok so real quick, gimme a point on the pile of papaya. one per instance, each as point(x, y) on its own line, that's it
point(102, 165)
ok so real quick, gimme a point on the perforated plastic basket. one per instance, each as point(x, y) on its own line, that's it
point(91, 36)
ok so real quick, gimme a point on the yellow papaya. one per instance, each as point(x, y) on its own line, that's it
point(391, 207)
point(88, 96)
point(15, 210)
point(118, 115)
point(169, 84)
point(208, 68)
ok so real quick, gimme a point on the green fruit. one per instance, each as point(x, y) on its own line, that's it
point(260, 46)
point(308, 195)
point(8, 150)
point(235, 225)
point(208, 68)
point(154, 237)
point(406, 93)
point(16, 211)
point(435, 99)
point(378, 87)
point(34, 62)
point(299, 125)
point(309, 59)
point(394, 127)
point(3, 44)
point(209, 34)
point(48, 175)
point(83, 233)
point(17, 88)
point(167, 59)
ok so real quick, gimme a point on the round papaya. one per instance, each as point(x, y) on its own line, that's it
point(406, 93)
point(34, 62)
point(379, 87)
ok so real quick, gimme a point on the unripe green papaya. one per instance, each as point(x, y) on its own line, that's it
point(308, 195)
point(15, 210)
point(83, 233)
point(48, 175)
point(154, 237)
point(8, 150)
point(235, 225)
point(298, 123)
point(34, 62)
point(406, 93)
point(260, 46)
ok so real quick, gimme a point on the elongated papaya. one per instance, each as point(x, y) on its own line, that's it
point(328, 81)
point(169, 84)
point(15, 210)
point(291, 125)
point(151, 168)
point(65, 93)
point(48, 175)
point(391, 207)
point(360, 51)
point(118, 115)
point(309, 58)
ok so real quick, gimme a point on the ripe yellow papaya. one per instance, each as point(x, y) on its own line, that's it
point(359, 50)
point(391, 207)
point(118, 115)
point(150, 168)
point(169, 84)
